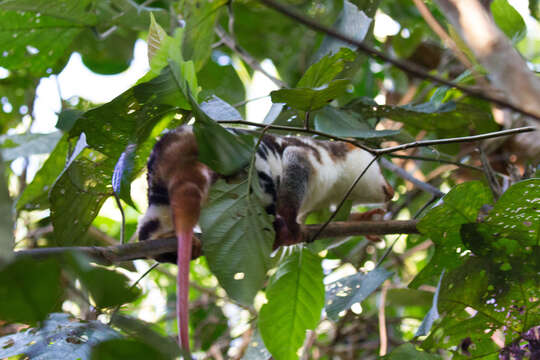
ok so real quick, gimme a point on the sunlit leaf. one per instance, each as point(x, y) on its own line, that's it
point(508, 20)
point(295, 300)
point(14, 146)
point(442, 224)
point(35, 34)
point(307, 99)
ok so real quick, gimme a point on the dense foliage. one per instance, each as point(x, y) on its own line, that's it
point(466, 286)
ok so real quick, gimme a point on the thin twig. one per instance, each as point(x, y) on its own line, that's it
point(423, 143)
point(442, 161)
point(405, 175)
point(420, 143)
point(250, 60)
point(406, 66)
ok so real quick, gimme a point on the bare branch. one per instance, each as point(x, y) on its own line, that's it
point(405, 175)
point(508, 70)
point(420, 143)
point(472, 138)
point(152, 248)
point(408, 67)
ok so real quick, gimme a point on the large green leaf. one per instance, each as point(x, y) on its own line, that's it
point(199, 31)
point(326, 69)
point(29, 290)
point(224, 152)
point(344, 293)
point(508, 20)
point(307, 99)
point(78, 193)
point(295, 300)
point(35, 34)
point(60, 337)
point(442, 224)
point(237, 241)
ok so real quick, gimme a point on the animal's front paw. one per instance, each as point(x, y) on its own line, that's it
point(374, 214)
point(286, 234)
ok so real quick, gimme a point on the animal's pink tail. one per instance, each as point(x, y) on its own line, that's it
point(182, 287)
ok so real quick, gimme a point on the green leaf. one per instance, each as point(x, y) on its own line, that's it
point(408, 351)
point(35, 34)
point(442, 225)
point(131, 116)
point(516, 213)
point(25, 299)
point(156, 36)
point(344, 293)
point(326, 69)
point(14, 146)
point(107, 287)
point(125, 349)
point(78, 193)
point(508, 20)
point(310, 99)
point(7, 239)
point(218, 110)
point(199, 31)
point(295, 300)
point(36, 194)
point(67, 118)
point(237, 241)
point(342, 123)
point(351, 22)
point(221, 80)
point(224, 152)
point(60, 337)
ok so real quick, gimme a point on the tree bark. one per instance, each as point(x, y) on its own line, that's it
point(507, 69)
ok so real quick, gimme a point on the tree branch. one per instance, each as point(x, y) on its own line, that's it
point(508, 70)
point(152, 248)
point(408, 67)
